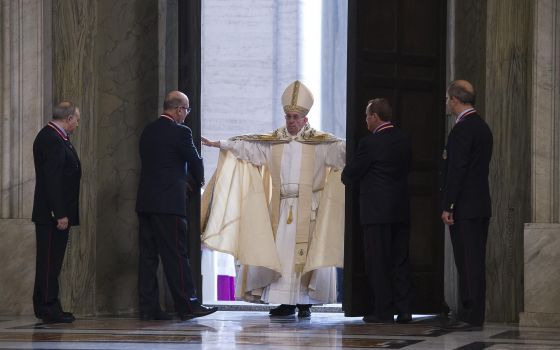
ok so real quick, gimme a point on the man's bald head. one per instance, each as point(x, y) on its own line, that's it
point(174, 99)
point(463, 91)
point(63, 110)
point(176, 105)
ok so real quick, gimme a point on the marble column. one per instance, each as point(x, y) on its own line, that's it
point(492, 49)
point(25, 102)
point(107, 59)
point(507, 105)
point(74, 79)
point(466, 46)
point(542, 236)
point(127, 95)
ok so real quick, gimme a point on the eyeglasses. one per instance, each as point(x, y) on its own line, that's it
point(188, 109)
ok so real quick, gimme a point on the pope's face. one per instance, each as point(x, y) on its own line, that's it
point(295, 122)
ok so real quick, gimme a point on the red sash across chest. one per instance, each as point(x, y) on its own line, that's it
point(58, 131)
point(384, 126)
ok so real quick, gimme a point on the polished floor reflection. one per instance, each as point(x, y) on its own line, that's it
point(254, 329)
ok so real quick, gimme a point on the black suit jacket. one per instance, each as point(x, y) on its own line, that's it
point(58, 172)
point(466, 162)
point(381, 165)
point(166, 150)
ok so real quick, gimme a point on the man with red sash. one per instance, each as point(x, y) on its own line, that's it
point(55, 207)
point(466, 200)
point(166, 152)
point(381, 166)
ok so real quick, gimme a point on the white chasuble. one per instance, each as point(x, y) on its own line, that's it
point(307, 258)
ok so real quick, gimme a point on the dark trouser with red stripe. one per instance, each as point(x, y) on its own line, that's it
point(387, 268)
point(469, 247)
point(51, 246)
point(166, 236)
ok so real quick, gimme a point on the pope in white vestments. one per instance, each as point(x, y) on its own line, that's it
point(276, 204)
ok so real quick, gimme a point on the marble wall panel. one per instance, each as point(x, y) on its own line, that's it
point(466, 45)
point(546, 113)
point(74, 78)
point(469, 56)
point(542, 249)
point(542, 276)
point(25, 96)
point(17, 274)
point(22, 100)
point(127, 99)
point(508, 55)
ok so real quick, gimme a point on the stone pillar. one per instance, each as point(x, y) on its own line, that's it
point(542, 236)
point(492, 49)
point(507, 106)
point(465, 60)
point(127, 57)
point(25, 102)
point(75, 79)
point(106, 59)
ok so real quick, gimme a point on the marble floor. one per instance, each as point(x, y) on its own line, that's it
point(255, 330)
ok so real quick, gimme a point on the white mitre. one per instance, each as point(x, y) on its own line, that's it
point(297, 98)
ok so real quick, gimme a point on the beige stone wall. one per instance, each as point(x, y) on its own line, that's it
point(25, 96)
point(492, 49)
point(112, 59)
point(507, 99)
point(542, 234)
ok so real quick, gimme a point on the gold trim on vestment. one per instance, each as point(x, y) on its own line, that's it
point(281, 135)
point(304, 205)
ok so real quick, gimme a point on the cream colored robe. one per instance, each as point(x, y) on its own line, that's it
point(236, 220)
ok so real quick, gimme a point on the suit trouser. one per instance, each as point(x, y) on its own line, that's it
point(51, 247)
point(386, 248)
point(469, 248)
point(166, 236)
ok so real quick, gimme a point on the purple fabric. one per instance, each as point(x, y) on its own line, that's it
point(226, 287)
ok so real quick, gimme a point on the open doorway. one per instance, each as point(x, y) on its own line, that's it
point(247, 59)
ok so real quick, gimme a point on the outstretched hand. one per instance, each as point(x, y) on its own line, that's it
point(447, 218)
point(209, 143)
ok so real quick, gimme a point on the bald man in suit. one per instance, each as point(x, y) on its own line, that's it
point(466, 200)
point(55, 207)
point(167, 152)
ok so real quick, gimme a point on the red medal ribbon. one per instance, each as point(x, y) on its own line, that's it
point(58, 131)
point(168, 117)
point(384, 126)
point(465, 113)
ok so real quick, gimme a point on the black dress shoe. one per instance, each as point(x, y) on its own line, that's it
point(69, 315)
point(463, 327)
point(404, 318)
point(304, 310)
point(197, 310)
point(283, 310)
point(157, 316)
point(63, 317)
point(377, 320)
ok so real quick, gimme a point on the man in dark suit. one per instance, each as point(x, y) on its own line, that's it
point(166, 152)
point(381, 166)
point(466, 199)
point(55, 207)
